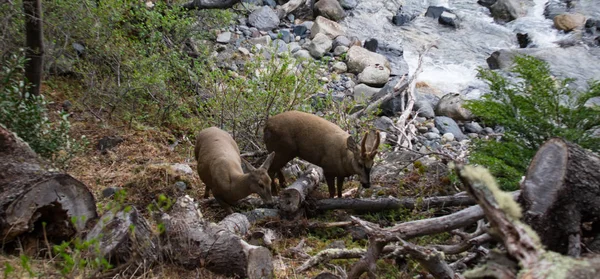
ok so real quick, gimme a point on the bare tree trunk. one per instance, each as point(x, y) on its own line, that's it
point(30, 195)
point(560, 192)
point(35, 44)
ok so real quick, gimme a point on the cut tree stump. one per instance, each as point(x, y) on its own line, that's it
point(31, 194)
point(293, 196)
point(125, 236)
point(194, 242)
point(560, 192)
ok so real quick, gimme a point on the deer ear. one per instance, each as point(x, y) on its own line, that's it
point(351, 145)
point(248, 166)
point(267, 163)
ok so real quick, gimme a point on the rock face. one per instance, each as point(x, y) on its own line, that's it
point(330, 28)
point(507, 10)
point(447, 125)
point(359, 58)
point(320, 45)
point(569, 22)
point(451, 105)
point(330, 9)
point(264, 18)
point(375, 75)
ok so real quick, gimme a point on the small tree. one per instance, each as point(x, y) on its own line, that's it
point(35, 45)
point(532, 109)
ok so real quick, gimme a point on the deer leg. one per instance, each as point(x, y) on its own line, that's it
point(225, 206)
point(281, 179)
point(206, 191)
point(340, 185)
point(330, 185)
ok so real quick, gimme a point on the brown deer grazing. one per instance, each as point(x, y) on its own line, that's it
point(297, 134)
point(220, 168)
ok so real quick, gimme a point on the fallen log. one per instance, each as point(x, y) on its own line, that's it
point(32, 194)
point(381, 204)
point(194, 242)
point(210, 4)
point(520, 241)
point(293, 196)
point(124, 237)
point(560, 192)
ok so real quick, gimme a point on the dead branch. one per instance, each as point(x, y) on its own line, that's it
point(331, 254)
point(375, 205)
point(397, 90)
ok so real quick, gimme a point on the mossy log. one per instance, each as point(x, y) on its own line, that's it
point(561, 192)
point(194, 242)
point(32, 195)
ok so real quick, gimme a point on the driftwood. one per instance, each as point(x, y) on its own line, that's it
point(31, 194)
point(210, 4)
point(520, 241)
point(125, 237)
point(381, 204)
point(193, 242)
point(560, 193)
point(293, 196)
point(300, 8)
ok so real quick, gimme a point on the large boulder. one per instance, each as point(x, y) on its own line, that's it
point(448, 125)
point(330, 9)
point(348, 4)
point(359, 58)
point(363, 93)
point(569, 22)
point(264, 18)
point(507, 10)
point(328, 27)
point(451, 105)
point(374, 75)
point(320, 45)
point(395, 55)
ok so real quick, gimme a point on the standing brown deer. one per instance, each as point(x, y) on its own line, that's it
point(220, 168)
point(297, 134)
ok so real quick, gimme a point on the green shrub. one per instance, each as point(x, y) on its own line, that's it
point(532, 109)
point(240, 102)
point(28, 116)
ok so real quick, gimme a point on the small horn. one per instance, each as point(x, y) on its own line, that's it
point(363, 148)
point(376, 145)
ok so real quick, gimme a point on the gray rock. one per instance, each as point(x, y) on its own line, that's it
point(421, 129)
point(110, 191)
point(434, 129)
point(432, 136)
point(570, 21)
point(384, 123)
point(374, 75)
point(435, 11)
point(270, 3)
point(451, 105)
point(108, 142)
point(473, 127)
point(507, 10)
point(448, 125)
point(300, 30)
point(325, 26)
point(285, 35)
point(341, 41)
point(339, 67)
point(371, 44)
point(319, 45)
point(395, 55)
point(280, 46)
point(348, 4)
point(447, 137)
point(180, 185)
point(224, 37)
point(487, 131)
point(308, 24)
point(262, 40)
point(363, 93)
point(448, 19)
point(254, 2)
point(330, 9)
point(294, 46)
point(264, 18)
point(473, 135)
point(424, 108)
point(359, 58)
point(339, 50)
point(302, 54)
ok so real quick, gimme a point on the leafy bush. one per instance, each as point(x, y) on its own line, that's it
point(240, 102)
point(532, 109)
point(27, 116)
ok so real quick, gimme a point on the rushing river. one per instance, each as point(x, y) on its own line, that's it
point(452, 67)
